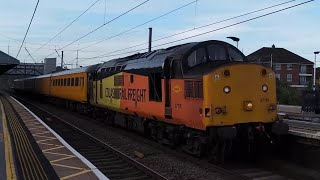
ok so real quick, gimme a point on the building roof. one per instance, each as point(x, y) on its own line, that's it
point(279, 55)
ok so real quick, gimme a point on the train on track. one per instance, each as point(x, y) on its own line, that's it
point(200, 96)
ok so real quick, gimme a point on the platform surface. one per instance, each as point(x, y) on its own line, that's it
point(304, 129)
point(66, 162)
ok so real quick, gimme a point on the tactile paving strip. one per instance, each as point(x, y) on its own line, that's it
point(64, 162)
point(30, 161)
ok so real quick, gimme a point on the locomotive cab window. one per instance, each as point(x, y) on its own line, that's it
point(197, 57)
point(217, 52)
point(234, 55)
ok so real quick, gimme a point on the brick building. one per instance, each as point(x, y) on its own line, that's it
point(288, 66)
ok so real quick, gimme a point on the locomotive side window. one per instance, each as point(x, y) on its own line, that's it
point(197, 57)
point(72, 81)
point(216, 52)
point(234, 55)
point(65, 82)
point(68, 81)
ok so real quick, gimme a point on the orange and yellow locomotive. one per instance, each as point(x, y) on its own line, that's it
point(198, 95)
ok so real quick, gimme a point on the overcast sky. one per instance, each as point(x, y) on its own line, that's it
point(297, 29)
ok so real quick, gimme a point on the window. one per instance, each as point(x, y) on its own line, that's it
point(72, 81)
point(193, 89)
point(197, 57)
point(59, 82)
point(303, 80)
point(289, 66)
point(303, 69)
point(188, 89)
point(234, 55)
point(278, 76)
point(216, 52)
point(77, 81)
point(131, 78)
point(65, 82)
point(278, 66)
point(119, 80)
point(68, 81)
point(289, 77)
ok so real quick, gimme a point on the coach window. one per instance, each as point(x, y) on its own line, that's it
point(68, 81)
point(72, 81)
point(77, 81)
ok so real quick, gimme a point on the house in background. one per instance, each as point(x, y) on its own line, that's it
point(289, 67)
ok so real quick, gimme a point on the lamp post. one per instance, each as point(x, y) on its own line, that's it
point(271, 57)
point(234, 39)
point(314, 69)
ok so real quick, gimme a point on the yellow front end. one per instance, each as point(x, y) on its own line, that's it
point(239, 93)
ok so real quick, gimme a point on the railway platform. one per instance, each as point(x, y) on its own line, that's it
point(304, 129)
point(32, 150)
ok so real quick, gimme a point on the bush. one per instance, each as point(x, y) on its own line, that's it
point(288, 95)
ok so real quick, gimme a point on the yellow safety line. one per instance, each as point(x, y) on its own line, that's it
point(75, 174)
point(10, 169)
point(48, 144)
point(61, 159)
point(37, 128)
point(43, 132)
point(57, 147)
point(43, 136)
point(49, 139)
point(66, 166)
point(69, 155)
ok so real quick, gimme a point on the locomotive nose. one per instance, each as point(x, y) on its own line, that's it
point(241, 93)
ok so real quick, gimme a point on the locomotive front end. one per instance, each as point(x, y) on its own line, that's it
point(241, 98)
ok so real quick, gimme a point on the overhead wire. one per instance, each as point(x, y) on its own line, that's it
point(35, 9)
point(61, 31)
point(137, 26)
point(135, 7)
point(200, 34)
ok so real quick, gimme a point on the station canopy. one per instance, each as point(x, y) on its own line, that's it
point(7, 62)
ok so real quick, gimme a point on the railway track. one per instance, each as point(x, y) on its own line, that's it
point(110, 161)
point(97, 152)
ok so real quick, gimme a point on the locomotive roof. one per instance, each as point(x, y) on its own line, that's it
point(156, 58)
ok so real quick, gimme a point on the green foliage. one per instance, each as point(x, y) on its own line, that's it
point(288, 95)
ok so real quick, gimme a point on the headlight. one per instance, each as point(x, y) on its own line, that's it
point(248, 106)
point(264, 88)
point(227, 89)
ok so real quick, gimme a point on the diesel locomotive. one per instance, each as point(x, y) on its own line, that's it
point(199, 96)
